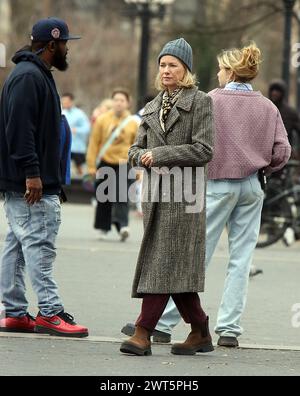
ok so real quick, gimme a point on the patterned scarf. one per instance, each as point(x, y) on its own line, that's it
point(168, 102)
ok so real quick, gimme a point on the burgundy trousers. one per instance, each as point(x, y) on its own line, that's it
point(153, 306)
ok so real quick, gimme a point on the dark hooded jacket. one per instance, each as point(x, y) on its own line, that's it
point(289, 116)
point(30, 126)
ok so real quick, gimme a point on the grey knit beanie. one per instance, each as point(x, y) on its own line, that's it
point(181, 50)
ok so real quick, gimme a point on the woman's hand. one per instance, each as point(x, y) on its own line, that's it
point(147, 159)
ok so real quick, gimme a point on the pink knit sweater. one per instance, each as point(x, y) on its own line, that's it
point(249, 135)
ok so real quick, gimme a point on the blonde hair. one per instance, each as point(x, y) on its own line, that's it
point(102, 108)
point(189, 80)
point(108, 103)
point(243, 62)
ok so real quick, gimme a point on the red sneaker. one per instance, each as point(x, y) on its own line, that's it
point(25, 324)
point(61, 325)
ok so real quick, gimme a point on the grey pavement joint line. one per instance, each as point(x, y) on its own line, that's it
point(113, 250)
point(99, 339)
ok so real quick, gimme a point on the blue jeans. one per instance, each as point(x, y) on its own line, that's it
point(30, 244)
point(236, 204)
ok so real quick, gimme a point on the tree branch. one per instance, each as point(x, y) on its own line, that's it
point(218, 30)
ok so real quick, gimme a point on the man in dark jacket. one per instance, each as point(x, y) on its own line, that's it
point(34, 147)
point(290, 116)
point(291, 120)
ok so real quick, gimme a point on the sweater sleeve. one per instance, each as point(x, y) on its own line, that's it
point(95, 143)
point(21, 131)
point(200, 151)
point(281, 150)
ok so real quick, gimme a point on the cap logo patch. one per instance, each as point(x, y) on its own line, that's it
point(55, 33)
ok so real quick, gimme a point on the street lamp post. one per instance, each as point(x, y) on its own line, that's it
point(288, 11)
point(146, 10)
point(297, 64)
point(145, 15)
point(298, 68)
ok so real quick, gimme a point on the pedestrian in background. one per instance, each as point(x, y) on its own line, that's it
point(80, 127)
point(290, 116)
point(291, 120)
point(176, 131)
point(104, 106)
point(34, 147)
point(112, 135)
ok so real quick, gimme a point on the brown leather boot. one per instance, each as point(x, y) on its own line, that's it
point(199, 340)
point(139, 344)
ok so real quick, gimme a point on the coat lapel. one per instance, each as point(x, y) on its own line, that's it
point(184, 102)
point(151, 117)
point(152, 111)
point(186, 99)
point(172, 119)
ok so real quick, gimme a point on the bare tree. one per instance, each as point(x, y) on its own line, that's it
point(107, 55)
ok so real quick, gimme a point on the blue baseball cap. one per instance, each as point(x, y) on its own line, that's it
point(51, 29)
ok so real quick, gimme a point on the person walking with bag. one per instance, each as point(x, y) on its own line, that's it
point(112, 135)
point(176, 131)
point(250, 136)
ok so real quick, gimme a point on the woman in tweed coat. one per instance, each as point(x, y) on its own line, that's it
point(176, 131)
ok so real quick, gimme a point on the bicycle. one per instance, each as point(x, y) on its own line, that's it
point(281, 208)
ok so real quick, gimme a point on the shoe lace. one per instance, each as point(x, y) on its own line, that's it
point(67, 317)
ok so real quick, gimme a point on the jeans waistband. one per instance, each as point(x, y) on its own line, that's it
point(237, 180)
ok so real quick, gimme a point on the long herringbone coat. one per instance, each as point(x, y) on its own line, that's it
point(172, 254)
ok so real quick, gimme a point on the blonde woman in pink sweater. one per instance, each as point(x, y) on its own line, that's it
point(249, 136)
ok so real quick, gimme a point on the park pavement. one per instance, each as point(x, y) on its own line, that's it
point(95, 279)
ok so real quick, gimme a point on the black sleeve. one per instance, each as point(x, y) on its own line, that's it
point(21, 131)
point(297, 123)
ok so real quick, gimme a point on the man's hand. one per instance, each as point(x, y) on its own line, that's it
point(34, 190)
point(147, 159)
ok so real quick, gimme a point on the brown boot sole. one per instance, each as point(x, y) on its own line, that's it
point(179, 350)
point(131, 349)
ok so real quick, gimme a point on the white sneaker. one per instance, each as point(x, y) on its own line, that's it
point(103, 235)
point(255, 271)
point(289, 237)
point(94, 202)
point(124, 233)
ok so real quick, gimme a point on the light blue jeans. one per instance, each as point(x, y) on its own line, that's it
point(236, 204)
point(30, 244)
